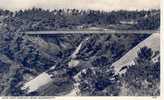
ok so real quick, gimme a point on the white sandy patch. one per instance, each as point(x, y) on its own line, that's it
point(73, 63)
point(78, 49)
point(53, 67)
point(37, 82)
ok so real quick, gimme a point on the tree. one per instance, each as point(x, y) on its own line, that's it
point(143, 78)
point(98, 81)
point(145, 54)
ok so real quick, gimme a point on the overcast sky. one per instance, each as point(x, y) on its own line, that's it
point(81, 4)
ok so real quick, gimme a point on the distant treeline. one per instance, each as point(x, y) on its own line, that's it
point(40, 19)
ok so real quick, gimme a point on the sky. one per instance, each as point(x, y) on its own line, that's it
point(106, 5)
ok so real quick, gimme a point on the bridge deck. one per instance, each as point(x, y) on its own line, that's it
point(91, 32)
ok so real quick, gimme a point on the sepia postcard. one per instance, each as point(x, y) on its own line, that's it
point(79, 48)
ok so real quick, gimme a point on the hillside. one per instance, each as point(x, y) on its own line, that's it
point(152, 42)
point(56, 65)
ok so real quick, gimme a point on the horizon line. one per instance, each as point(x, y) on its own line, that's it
point(51, 9)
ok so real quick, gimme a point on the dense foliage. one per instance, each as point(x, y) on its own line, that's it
point(40, 19)
point(144, 77)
